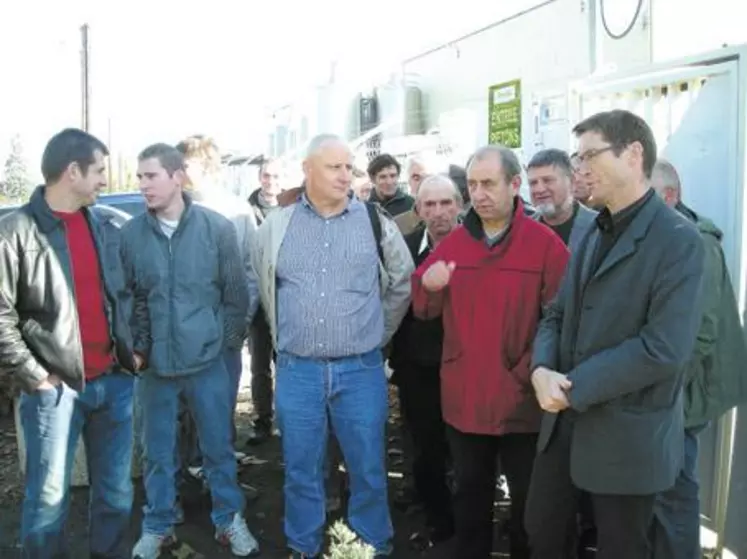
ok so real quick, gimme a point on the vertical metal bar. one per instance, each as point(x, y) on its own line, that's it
point(85, 83)
point(593, 41)
point(726, 431)
point(109, 145)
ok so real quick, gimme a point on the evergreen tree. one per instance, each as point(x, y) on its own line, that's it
point(17, 183)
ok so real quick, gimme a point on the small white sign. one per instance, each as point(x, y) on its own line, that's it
point(504, 94)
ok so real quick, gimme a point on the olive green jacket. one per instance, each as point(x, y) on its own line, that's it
point(716, 377)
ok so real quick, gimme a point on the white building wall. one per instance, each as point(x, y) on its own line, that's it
point(546, 48)
point(688, 27)
point(550, 47)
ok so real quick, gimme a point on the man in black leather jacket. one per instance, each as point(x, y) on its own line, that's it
point(64, 335)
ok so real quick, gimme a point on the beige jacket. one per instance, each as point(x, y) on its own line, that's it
point(408, 222)
point(394, 274)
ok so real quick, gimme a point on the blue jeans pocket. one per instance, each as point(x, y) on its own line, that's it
point(48, 398)
point(372, 360)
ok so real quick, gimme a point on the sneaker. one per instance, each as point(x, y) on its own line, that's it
point(238, 537)
point(149, 546)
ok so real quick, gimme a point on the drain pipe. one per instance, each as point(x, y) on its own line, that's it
point(592, 9)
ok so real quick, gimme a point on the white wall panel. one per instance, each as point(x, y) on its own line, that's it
point(544, 47)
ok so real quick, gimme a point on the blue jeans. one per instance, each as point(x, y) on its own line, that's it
point(676, 530)
point(233, 364)
point(205, 394)
point(52, 422)
point(351, 395)
point(232, 360)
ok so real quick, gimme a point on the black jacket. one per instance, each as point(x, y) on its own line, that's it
point(417, 342)
point(39, 332)
point(396, 205)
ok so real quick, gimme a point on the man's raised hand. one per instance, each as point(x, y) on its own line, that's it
point(438, 275)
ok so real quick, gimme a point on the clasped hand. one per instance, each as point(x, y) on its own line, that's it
point(551, 389)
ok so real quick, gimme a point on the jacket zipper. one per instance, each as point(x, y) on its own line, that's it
point(75, 310)
point(169, 241)
point(108, 305)
point(169, 244)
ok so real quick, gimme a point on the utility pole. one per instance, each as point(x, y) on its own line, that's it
point(109, 143)
point(85, 55)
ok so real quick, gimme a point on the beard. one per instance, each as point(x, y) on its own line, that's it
point(548, 209)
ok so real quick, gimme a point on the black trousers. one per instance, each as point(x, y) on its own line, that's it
point(475, 467)
point(622, 521)
point(420, 400)
point(261, 366)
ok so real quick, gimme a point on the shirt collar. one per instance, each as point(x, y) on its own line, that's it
point(425, 242)
point(613, 223)
point(353, 204)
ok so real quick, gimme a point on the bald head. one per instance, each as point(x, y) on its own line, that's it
point(438, 203)
point(666, 182)
point(319, 143)
point(438, 184)
point(328, 170)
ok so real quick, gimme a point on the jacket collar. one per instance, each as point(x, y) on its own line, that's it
point(473, 224)
point(298, 194)
point(188, 202)
point(398, 195)
point(627, 244)
point(43, 214)
point(687, 212)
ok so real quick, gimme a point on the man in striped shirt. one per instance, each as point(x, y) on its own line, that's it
point(332, 303)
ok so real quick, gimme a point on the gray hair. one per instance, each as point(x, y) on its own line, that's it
point(168, 156)
point(432, 181)
point(416, 159)
point(668, 173)
point(318, 142)
point(509, 162)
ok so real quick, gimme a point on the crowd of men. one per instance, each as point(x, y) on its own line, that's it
point(576, 345)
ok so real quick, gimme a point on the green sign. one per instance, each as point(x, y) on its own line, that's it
point(504, 114)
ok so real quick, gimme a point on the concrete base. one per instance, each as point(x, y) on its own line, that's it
point(80, 466)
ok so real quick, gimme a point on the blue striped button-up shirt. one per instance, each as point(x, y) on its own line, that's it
point(328, 298)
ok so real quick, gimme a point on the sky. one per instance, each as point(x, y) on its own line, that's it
point(162, 69)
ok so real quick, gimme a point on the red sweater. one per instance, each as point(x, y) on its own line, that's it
point(491, 309)
point(89, 295)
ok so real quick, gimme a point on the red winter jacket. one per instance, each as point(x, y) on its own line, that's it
point(491, 309)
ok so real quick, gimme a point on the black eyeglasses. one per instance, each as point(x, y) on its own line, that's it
point(579, 159)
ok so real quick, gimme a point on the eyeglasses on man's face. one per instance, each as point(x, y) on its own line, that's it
point(580, 160)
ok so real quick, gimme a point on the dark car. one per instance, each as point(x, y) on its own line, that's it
point(127, 203)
